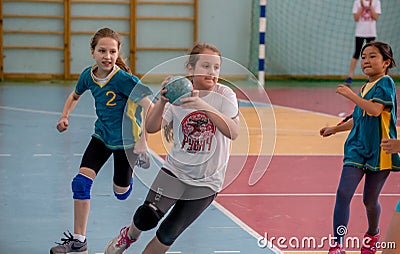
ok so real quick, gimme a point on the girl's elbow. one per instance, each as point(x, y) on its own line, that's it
point(151, 129)
point(234, 134)
point(234, 129)
point(151, 123)
point(75, 96)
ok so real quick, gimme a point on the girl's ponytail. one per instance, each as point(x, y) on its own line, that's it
point(121, 64)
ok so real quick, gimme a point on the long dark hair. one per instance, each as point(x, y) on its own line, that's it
point(109, 33)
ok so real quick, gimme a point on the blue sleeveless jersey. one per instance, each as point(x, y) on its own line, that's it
point(362, 147)
point(119, 119)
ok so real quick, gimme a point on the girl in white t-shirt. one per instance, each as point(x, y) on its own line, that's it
point(201, 129)
point(366, 13)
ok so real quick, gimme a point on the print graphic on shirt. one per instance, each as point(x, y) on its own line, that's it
point(198, 132)
point(366, 12)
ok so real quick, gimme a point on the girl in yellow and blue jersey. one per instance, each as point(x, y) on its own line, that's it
point(373, 119)
point(120, 100)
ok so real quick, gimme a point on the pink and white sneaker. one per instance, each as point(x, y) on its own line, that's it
point(120, 243)
point(369, 243)
point(337, 249)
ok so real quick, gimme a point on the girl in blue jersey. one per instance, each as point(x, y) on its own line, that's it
point(374, 118)
point(120, 100)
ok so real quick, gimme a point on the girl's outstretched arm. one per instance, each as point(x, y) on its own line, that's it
point(69, 106)
point(327, 131)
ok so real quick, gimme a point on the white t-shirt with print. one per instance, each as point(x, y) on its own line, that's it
point(200, 152)
point(366, 25)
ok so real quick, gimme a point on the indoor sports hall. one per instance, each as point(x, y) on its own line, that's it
point(284, 60)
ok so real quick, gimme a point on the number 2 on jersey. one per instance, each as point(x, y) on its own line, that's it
point(110, 101)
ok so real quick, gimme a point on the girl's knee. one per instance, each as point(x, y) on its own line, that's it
point(165, 236)
point(371, 203)
point(123, 193)
point(147, 217)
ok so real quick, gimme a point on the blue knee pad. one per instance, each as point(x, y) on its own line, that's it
point(125, 195)
point(81, 186)
point(398, 207)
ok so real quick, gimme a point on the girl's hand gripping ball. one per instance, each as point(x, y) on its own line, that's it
point(178, 87)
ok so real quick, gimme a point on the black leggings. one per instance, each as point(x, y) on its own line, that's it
point(97, 154)
point(188, 203)
point(349, 180)
point(358, 45)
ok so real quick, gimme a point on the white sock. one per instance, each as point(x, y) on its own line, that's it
point(80, 238)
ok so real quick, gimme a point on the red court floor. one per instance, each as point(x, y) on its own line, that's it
point(295, 197)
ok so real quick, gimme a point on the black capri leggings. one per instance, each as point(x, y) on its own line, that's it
point(97, 154)
point(188, 203)
point(359, 42)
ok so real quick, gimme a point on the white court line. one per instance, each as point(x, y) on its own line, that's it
point(5, 155)
point(44, 112)
point(42, 154)
point(295, 194)
point(94, 116)
point(322, 252)
point(243, 225)
point(223, 227)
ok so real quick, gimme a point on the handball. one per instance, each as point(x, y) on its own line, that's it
point(178, 87)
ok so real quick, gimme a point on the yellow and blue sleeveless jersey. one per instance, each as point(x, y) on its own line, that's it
point(119, 118)
point(362, 147)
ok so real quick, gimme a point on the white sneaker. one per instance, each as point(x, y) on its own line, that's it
point(119, 244)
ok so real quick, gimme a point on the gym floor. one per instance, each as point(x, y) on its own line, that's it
point(294, 198)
